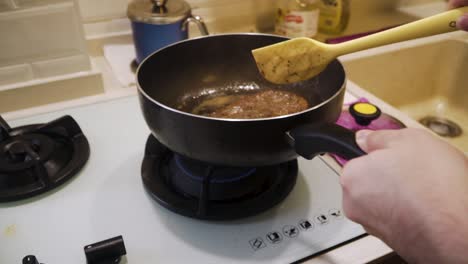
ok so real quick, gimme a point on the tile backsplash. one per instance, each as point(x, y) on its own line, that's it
point(259, 13)
point(42, 39)
point(98, 10)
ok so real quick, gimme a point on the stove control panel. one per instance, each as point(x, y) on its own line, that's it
point(292, 230)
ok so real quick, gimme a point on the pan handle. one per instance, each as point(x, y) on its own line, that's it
point(312, 140)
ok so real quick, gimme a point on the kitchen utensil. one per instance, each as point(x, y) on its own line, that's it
point(156, 24)
point(302, 58)
point(188, 71)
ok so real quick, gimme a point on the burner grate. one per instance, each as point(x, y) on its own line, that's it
point(204, 191)
point(37, 158)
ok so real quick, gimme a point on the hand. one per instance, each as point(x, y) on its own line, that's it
point(411, 191)
point(463, 21)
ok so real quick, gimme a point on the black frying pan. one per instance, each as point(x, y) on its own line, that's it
point(184, 73)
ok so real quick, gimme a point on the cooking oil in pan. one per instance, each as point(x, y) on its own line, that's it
point(260, 104)
point(248, 100)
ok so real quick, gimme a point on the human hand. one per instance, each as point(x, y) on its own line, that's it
point(462, 22)
point(411, 191)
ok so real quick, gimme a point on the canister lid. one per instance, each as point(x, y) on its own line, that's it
point(158, 11)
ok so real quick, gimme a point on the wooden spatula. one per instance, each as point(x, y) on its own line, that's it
point(302, 58)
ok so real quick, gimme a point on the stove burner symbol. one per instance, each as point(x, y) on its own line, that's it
point(257, 243)
point(335, 213)
point(290, 231)
point(274, 237)
point(306, 224)
point(322, 219)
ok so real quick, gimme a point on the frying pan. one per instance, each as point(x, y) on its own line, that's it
point(183, 74)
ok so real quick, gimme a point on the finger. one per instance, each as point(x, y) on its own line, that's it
point(458, 3)
point(350, 184)
point(374, 140)
point(462, 22)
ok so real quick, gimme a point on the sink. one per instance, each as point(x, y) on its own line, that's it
point(428, 81)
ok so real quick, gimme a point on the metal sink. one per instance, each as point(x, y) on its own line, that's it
point(426, 79)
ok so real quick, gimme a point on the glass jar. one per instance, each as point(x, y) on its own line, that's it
point(334, 16)
point(297, 18)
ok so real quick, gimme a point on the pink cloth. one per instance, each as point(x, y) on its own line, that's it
point(347, 121)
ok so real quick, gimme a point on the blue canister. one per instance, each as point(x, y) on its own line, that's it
point(156, 24)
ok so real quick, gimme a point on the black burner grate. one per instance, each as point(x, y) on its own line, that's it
point(200, 190)
point(37, 158)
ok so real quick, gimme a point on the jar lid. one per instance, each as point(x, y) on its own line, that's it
point(158, 11)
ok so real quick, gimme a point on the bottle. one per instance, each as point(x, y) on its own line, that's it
point(334, 16)
point(297, 18)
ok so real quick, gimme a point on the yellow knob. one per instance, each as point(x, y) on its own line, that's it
point(365, 108)
point(364, 113)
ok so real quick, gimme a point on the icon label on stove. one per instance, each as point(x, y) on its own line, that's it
point(290, 231)
point(257, 243)
point(306, 225)
point(274, 237)
point(322, 219)
point(335, 213)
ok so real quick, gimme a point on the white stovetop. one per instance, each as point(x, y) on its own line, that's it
point(360, 251)
point(107, 199)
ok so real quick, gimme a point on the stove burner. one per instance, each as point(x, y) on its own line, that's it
point(37, 158)
point(200, 190)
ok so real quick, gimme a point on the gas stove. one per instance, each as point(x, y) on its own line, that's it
point(132, 186)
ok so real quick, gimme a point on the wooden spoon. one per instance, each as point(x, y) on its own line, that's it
point(302, 58)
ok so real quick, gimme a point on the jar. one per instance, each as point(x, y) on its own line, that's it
point(297, 18)
point(158, 23)
point(334, 16)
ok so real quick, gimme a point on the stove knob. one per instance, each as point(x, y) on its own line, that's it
point(364, 113)
point(30, 260)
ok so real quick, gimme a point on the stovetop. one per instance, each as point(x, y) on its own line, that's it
point(107, 199)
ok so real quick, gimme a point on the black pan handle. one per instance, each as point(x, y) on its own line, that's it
point(312, 140)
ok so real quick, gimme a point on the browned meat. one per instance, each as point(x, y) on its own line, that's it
point(261, 104)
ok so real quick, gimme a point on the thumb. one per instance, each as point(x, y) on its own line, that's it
point(462, 22)
point(369, 140)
